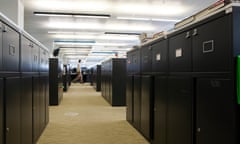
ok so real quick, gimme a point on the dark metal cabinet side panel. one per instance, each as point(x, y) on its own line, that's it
point(26, 55)
point(26, 111)
point(212, 48)
point(10, 53)
point(180, 53)
point(216, 111)
point(179, 111)
point(160, 110)
point(1, 111)
point(137, 101)
point(12, 109)
point(160, 56)
point(53, 82)
point(118, 80)
point(98, 78)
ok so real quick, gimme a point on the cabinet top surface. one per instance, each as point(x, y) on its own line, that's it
point(228, 9)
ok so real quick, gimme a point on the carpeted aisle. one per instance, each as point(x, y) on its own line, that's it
point(84, 117)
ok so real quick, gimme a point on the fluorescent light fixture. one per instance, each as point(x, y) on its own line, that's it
point(71, 32)
point(74, 25)
point(74, 41)
point(100, 26)
point(122, 33)
point(92, 44)
point(99, 37)
point(148, 19)
point(157, 9)
point(134, 18)
point(75, 48)
point(165, 20)
point(84, 15)
point(73, 36)
point(72, 5)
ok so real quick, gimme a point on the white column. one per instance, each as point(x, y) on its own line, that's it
point(14, 10)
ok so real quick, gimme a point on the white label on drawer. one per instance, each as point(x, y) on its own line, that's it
point(158, 57)
point(178, 52)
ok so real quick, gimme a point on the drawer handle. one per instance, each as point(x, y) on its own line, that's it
point(187, 35)
point(7, 130)
point(195, 32)
point(198, 130)
point(4, 29)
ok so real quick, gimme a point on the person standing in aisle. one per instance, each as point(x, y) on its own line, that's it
point(79, 73)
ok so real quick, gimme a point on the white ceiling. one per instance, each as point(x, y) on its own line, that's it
point(67, 29)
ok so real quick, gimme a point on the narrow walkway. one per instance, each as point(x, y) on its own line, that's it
point(84, 117)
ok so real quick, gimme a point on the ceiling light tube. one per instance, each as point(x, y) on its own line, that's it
point(167, 20)
point(148, 19)
point(122, 33)
point(134, 18)
point(71, 32)
point(72, 14)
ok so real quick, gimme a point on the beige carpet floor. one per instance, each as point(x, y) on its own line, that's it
point(84, 117)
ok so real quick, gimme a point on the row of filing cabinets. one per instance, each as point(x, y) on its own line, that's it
point(113, 81)
point(183, 88)
point(96, 77)
point(24, 83)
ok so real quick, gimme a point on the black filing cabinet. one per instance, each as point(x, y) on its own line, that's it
point(55, 81)
point(180, 110)
point(103, 77)
point(118, 82)
point(160, 110)
point(22, 110)
point(215, 111)
point(133, 69)
point(146, 59)
point(137, 101)
point(12, 107)
point(26, 110)
point(114, 81)
point(146, 106)
point(36, 109)
point(47, 99)
point(42, 100)
point(129, 98)
point(26, 55)
point(10, 51)
point(1, 111)
point(1, 32)
point(97, 76)
point(180, 53)
point(35, 58)
point(210, 49)
point(133, 62)
point(160, 56)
